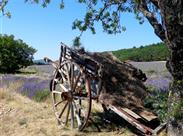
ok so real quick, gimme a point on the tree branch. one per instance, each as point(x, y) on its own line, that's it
point(155, 2)
point(158, 28)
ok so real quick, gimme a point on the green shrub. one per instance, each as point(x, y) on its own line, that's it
point(41, 95)
point(177, 111)
point(14, 54)
point(157, 101)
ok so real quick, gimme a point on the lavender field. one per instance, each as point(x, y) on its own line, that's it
point(32, 84)
point(29, 85)
point(156, 72)
point(32, 81)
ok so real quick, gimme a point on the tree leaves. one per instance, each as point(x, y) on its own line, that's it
point(62, 4)
point(76, 42)
point(15, 54)
point(3, 4)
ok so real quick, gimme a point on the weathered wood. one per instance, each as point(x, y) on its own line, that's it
point(131, 113)
point(72, 115)
point(62, 111)
point(77, 115)
point(149, 116)
point(67, 115)
point(58, 103)
point(159, 129)
point(57, 92)
point(144, 129)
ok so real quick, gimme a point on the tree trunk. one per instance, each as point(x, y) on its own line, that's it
point(172, 15)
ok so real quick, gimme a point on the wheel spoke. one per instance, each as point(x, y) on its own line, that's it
point(81, 98)
point(79, 108)
point(72, 76)
point(56, 80)
point(63, 87)
point(72, 115)
point(68, 75)
point(76, 81)
point(60, 115)
point(77, 115)
point(62, 75)
point(58, 103)
point(57, 92)
point(67, 115)
point(64, 69)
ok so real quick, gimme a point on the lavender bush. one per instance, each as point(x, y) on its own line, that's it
point(159, 83)
point(7, 79)
point(32, 87)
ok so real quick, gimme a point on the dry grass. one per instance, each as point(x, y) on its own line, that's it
point(5, 95)
point(20, 116)
point(23, 117)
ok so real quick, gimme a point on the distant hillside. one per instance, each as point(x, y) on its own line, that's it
point(40, 62)
point(153, 52)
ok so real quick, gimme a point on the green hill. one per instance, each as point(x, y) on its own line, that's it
point(153, 52)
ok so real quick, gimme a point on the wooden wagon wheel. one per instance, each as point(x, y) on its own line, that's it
point(71, 96)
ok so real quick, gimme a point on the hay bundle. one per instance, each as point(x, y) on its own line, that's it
point(122, 83)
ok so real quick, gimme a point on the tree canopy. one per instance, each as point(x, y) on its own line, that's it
point(15, 54)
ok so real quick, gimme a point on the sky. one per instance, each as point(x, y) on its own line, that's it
point(45, 28)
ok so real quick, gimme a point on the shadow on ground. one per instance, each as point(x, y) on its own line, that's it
point(109, 122)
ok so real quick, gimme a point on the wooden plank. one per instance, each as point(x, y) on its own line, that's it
point(147, 115)
point(159, 129)
point(131, 120)
point(133, 114)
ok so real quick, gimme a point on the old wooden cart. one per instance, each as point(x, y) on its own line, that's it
point(76, 82)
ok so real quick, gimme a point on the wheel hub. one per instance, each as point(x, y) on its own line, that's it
point(67, 96)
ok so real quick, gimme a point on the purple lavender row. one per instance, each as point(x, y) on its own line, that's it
point(159, 83)
point(30, 85)
point(6, 80)
point(31, 88)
